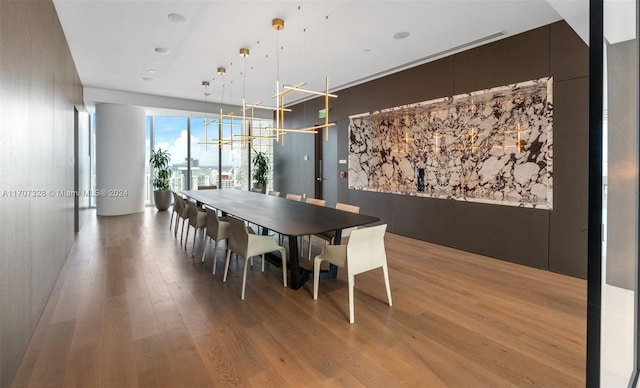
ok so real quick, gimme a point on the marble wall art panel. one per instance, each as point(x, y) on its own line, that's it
point(492, 146)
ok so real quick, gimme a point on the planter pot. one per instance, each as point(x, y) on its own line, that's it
point(162, 199)
point(261, 187)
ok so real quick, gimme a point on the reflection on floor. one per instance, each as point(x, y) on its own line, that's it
point(617, 336)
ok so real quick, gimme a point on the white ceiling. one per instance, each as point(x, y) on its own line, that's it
point(113, 41)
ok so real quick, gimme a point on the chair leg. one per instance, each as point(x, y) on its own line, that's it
point(352, 280)
point(182, 231)
point(244, 278)
point(171, 220)
point(215, 255)
point(309, 258)
point(204, 247)
point(263, 262)
point(284, 267)
point(385, 271)
point(226, 265)
point(316, 276)
point(193, 247)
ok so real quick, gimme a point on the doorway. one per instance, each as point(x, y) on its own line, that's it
point(326, 165)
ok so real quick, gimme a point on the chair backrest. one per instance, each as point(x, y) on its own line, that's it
point(183, 207)
point(274, 193)
point(213, 223)
point(348, 208)
point(294, 197)
point(193, 213)
point(318, 202)
point(238, 236)
point(176, 203)
point(209, 187)
point(365, 249)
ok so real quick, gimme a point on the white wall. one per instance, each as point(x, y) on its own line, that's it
point(120, 154)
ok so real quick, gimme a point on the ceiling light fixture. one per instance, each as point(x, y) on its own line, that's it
point(401, 35)
point(162, 50)
point(278, 25)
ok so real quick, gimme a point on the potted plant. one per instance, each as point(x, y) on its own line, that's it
point(159, 161)
point(260, 170)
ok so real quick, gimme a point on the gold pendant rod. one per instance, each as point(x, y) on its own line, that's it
point(327, 94)
point(288, 89)
point(326, 109)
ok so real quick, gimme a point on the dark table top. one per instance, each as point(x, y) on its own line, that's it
point(281, 215)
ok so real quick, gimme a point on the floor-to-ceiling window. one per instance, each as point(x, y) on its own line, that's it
point(172, 133)
point(208, 151)
point(204, 152)
point(234, 166)
point(263, 142)
point(148, 189)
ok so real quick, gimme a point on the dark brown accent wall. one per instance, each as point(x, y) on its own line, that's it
point(555, 240)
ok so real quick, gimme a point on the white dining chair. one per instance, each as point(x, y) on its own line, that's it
point(294, 197)
point(217, 230)
point(317, 202)
point(364, 251)
point(247, 245)
point(330, 235)
point(174, 208)
point(183, 214)
point(197, 220)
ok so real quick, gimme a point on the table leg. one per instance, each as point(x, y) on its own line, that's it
point(298, 275)
point(333, 269)
point(294, 264)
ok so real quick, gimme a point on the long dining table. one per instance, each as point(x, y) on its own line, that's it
point(287, 217)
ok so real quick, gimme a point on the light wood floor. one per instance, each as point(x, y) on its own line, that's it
point(132, 309)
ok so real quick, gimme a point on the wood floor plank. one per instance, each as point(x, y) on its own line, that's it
point(153, 366)
point(180, 347)
point(84, 368)
point(281, 360)
point(132, 308)
point(223, 367)
point(50, 366)
point(119, 368)
point(90, 322)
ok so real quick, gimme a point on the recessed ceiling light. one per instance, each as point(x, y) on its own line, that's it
point(366, 50)
point(176, 18)
point(162, 50)
point(401, 35)
point(151, 71)
point(147, 79)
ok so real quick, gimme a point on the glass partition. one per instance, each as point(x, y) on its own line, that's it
point(619, 194)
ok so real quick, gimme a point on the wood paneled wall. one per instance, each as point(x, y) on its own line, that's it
point(39, 88)
point(555, 240)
